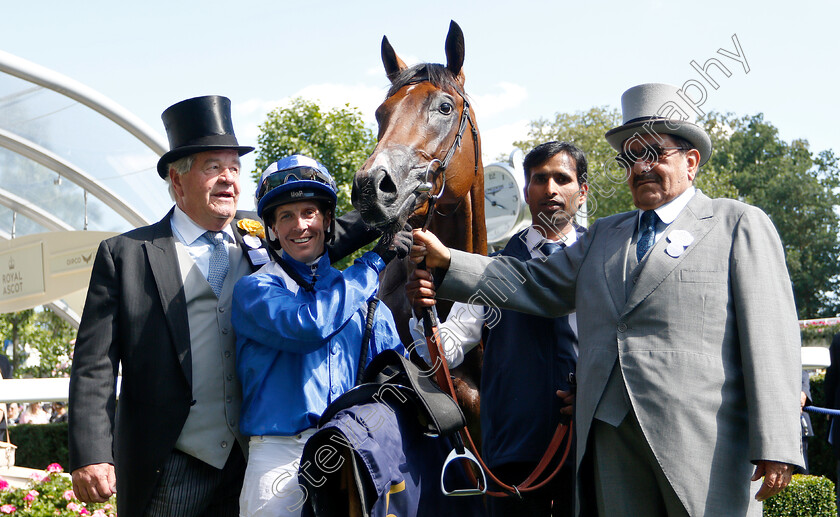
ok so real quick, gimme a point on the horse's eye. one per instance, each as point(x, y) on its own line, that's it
point(445, 108)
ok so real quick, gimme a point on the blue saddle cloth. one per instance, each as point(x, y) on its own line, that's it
point(377, 458)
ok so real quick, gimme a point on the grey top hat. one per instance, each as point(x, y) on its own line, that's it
point(658, 108)
point(197, 125)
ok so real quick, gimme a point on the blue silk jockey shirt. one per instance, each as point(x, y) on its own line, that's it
point(298, 351)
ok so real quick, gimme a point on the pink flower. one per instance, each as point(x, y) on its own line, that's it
point(3, 484)
point(84, 511)
point(73, 507)
point(54, 467)
point(107, 506)
point(7, 508)
point(39, 476)
point(31, 495)
point(99, 513)
point(69, 495)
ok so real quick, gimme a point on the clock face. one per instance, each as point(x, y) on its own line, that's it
point(502, 202)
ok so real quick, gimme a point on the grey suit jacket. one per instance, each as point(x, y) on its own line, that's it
point(707, 342)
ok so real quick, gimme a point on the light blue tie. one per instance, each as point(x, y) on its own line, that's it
point(219, 262)
point(648, 237)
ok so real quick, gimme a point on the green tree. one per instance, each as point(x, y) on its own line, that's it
point(750, 162)
point(798, 191)
point(44, 332)
point(608, 193)
point(338, 138)
point(585, 129)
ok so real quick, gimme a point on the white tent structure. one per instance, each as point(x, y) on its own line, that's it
point(71, 160)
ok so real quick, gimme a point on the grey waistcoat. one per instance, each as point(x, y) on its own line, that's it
point(212, 425)
point(615, 402)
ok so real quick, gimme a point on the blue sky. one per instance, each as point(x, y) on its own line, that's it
point(524, 60)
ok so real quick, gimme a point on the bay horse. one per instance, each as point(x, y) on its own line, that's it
point(423, 138)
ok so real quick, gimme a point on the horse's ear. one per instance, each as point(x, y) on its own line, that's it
point(454, 48)
point(393, 64)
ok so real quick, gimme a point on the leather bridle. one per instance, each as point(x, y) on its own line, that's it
point(442, 375)
point(431, 175)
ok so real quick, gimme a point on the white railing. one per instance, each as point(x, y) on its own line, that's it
point(37, 390)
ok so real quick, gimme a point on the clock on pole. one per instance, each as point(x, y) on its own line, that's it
point(505, 210)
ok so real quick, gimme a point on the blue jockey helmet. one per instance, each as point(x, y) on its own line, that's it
point(294, 178)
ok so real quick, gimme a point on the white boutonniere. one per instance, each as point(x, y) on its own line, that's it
point(678, 240)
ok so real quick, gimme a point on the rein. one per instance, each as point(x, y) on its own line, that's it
point(444, 380)
point(442, 375)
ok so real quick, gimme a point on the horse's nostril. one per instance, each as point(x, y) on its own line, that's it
point(386, 185)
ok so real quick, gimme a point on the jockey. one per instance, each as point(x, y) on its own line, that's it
point(300, 325)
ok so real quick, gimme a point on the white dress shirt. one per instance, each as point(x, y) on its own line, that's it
point(461, 332)
point(668, 212)
point(189, 233)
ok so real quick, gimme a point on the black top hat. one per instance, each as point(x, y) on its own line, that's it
point(197, 125)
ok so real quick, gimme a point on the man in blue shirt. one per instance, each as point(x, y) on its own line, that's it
point(300, 327)
point(526, 358)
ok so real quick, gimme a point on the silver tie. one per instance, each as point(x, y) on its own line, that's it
point(219, 261)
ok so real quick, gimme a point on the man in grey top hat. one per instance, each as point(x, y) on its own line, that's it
point(158, 306)
point(688, 375)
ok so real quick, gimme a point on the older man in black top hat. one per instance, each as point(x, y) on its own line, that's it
point(159, 305)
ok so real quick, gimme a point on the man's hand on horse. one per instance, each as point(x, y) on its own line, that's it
point(428, 246)
point(420, 290)
point(568, 398)
point(395, 245)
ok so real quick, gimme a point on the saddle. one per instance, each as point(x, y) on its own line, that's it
point(381, 447)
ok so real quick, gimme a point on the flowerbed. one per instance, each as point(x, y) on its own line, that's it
point(49, 493)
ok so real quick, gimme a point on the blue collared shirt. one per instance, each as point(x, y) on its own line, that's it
point(298, 351)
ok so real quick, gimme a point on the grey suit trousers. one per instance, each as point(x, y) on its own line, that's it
point(628, 479)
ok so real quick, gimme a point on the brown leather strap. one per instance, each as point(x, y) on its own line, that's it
point(444, 380)
point(442, 375)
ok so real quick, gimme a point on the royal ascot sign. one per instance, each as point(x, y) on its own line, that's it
point(22, 263)
point(41, 268)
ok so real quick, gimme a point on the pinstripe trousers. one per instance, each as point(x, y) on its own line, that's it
point(188, 487)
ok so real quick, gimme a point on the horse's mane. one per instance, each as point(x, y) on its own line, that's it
point(440, 77)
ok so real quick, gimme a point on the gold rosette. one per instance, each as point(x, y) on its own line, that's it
point(253, 227)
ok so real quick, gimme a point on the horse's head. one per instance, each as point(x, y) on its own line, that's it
point(422, 140)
